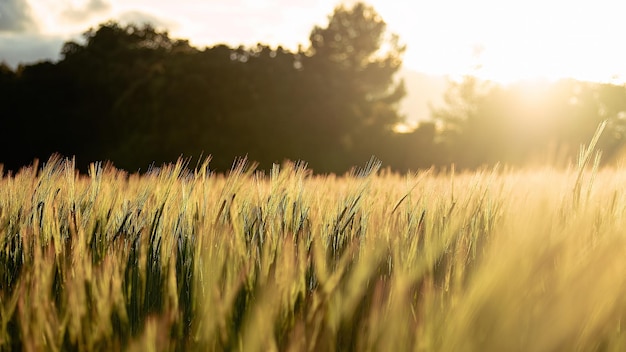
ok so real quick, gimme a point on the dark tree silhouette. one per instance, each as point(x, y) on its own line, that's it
point(351, 65)
point(118, 70)
point(134, 96)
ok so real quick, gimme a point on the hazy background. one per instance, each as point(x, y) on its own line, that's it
point(517, 82)
point(502, 41)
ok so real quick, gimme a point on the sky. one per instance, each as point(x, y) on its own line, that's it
point(500, 40)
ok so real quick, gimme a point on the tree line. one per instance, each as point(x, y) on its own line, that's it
point(530, 123)
point(134, 96)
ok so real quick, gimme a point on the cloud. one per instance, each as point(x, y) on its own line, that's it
point(29, 48)
point(140, 18)
point(81, 14)
point(21, 43)
point(15, 16)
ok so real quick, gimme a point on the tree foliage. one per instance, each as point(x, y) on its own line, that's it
point(135, 96)
point(354, 60)
point(485, 123)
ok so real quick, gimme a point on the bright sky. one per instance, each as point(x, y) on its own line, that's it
point(511, 40)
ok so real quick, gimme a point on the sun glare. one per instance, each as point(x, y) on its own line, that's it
point(518, 40)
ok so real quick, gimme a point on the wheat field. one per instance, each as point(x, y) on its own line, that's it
point(180, 258)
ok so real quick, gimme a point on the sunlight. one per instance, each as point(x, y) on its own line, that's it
point(550, 59)
point(519, 40)
point(533, 96)
point(404, 127)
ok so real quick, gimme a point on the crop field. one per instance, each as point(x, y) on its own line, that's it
point(180, 258)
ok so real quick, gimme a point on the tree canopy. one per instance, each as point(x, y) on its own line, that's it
point(134, 96)
point(528, 122)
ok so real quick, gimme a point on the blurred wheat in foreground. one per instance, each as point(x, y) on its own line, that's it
point(498, 260)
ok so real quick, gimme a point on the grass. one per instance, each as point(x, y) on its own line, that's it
point(494, 260)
